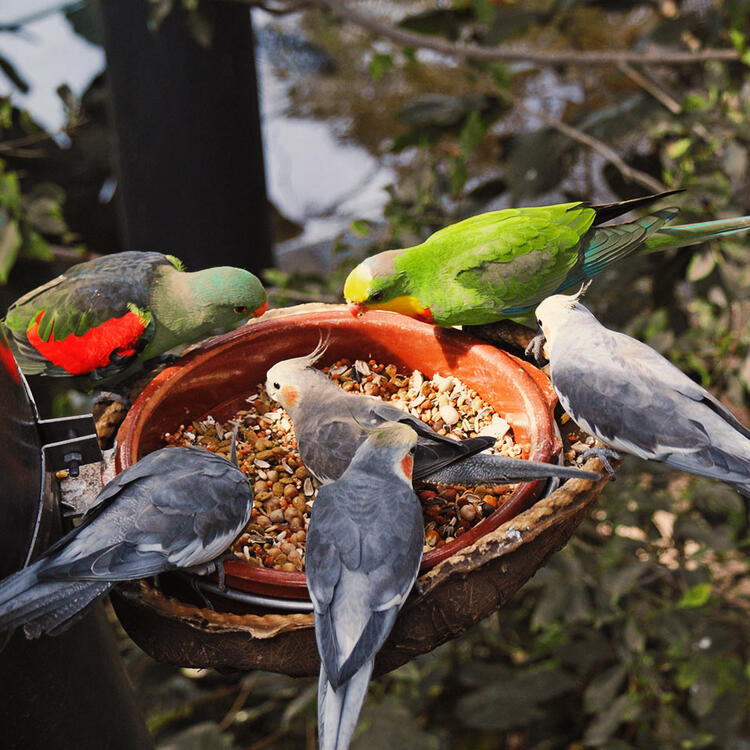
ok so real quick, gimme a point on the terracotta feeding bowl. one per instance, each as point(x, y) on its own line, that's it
point(463, 581)
point(217, 378)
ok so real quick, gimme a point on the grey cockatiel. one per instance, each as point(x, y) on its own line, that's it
point(363, 552)
point(175, 508)
point(328, 424)
point(635, 401)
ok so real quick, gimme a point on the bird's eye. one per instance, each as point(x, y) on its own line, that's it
point(413, 450)
point(539, 322)
point(376, 296)
point(239, 309)
point(276, 386)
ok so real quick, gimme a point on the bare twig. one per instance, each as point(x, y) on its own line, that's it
point(274, 7)
point(247, 686)
point(601, 148)
point(501, 53)
point(32, 138)
point(649, 86)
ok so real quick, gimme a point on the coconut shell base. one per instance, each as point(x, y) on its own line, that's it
point(457, 593)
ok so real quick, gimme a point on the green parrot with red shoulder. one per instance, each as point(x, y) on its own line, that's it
point(504, 263)
point(102, 318)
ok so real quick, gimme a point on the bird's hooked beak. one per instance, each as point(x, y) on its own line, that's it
point(357, 309)
point(257, 313)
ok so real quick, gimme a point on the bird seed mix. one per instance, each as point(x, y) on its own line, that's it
point(285, 492)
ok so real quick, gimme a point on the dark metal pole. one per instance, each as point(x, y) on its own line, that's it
point(70, 691)
point(189, 140)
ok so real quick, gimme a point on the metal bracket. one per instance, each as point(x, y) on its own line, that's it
point(69, 442)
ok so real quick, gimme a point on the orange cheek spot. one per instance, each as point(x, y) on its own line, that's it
point(289, 394)
point(407, 464)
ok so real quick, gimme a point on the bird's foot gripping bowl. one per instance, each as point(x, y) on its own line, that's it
point(462, 581)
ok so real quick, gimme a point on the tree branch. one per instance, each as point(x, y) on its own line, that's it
point(502, 53)
point(601, 148)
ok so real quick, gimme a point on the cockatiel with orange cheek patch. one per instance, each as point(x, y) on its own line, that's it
point(330, 424)
point(364, 547)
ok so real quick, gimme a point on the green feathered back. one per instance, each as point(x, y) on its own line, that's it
point(509, 258)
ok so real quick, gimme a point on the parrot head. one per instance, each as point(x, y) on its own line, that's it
point(376, 284)
point(227, 295)
point(395, 440)
point(287, 380)
point(554, 312)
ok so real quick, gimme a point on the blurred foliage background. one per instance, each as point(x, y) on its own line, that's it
point(637, 634)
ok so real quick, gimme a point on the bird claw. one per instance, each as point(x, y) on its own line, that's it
point(535, 348)
point(117, 359)
point(103, 398)
point(194, 583)
point(603, 454)
point(161, 359)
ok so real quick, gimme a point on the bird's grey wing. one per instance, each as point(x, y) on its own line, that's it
point(625, 406)
point(651, 364)
point(392, 545)
point(328, 446)
point(154, 463)
point(333, 541)
point(434, 451)
point(164, 521)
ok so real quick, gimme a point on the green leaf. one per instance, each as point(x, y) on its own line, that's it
point(10, 244)
point(360, 227)
point(275, 276)
point(620, 581)
point(634, 638)
point(701, 265)
point(687, 674)
point(379, 65)
point(484, 10)
point(458, 176)
point(679, 148)
point(602, 690)
point(471, 134)
point(501, 75)
point(35, 246)
point(201, 29)
point(45, 215)
point(738, 39)
point(606, 722)
point(695, 596)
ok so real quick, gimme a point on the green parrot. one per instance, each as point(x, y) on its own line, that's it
point(504, 263)
point(102, 318)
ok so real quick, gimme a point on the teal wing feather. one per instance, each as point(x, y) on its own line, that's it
point(606, 245)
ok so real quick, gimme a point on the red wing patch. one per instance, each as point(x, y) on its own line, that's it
point(8, 361)
point(407, 464)
point(80, 355)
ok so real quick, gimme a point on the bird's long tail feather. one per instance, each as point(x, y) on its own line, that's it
point(338, 710)
point(44, 606)
point(689, 234)
point(484, 468)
